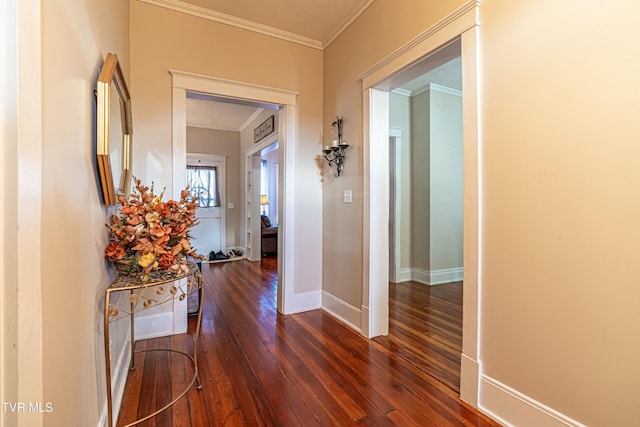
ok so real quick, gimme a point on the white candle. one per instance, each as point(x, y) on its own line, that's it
point(334, 142)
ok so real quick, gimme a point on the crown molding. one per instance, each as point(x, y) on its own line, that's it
point(463, 18)
point(403, 92)
point(201, 12)
point(434, 87)
point(345, 24)
point(251, 119)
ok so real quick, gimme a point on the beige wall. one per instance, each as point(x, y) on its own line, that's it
point(381, 29)
point(445, 170)
point(560, 295)
point(162, 40)
point(76, 35)
point(560, 235)
point(560, 301)
point(420, 182)
point(224, 143)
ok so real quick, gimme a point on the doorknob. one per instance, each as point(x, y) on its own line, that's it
point(217, 216)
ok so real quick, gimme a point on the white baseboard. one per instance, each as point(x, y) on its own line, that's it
point(153, 326)
point(342, 311)
point(404, 275)
point(307, 301)
point(118, 381)
point(437, 277)
point(469, 380)
point(164, 319)
point(512, 408)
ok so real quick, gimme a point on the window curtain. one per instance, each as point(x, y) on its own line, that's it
point(203, 182)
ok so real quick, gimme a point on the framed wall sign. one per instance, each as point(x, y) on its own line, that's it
point(265, 129)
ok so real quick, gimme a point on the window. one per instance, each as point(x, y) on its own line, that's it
point(203, 182)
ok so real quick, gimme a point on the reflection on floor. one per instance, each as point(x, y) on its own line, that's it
point(425, 327)
point(261, 368)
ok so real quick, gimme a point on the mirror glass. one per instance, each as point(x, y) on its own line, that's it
point(114, 131)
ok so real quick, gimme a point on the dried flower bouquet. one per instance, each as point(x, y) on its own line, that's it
point(150, 234)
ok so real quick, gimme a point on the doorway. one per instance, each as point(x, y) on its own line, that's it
point(182, 82)
point(426, 221)
point(389, 73)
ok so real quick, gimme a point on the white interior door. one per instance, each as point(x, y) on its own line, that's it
point(210, 233)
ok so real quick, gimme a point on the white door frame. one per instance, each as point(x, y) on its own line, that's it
point(461, 24)
point(395, 220)
point(287, 131)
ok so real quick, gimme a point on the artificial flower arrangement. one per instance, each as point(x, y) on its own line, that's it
point(150, 234)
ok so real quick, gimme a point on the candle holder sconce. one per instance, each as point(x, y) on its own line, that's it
point(335, 153)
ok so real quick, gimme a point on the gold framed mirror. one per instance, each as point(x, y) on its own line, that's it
point(114, 131)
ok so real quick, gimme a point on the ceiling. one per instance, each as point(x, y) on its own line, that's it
point(312, 22)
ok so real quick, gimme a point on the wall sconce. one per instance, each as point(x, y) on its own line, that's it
point(335, 153)
point(264, 201)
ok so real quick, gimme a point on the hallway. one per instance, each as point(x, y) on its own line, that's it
point(261, 368)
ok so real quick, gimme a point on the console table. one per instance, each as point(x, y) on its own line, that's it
point(160, 287)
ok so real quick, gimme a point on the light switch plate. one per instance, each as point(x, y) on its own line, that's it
point(231, 205)
point(348, 196)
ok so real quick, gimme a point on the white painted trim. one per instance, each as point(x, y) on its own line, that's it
point(287, 133)
point(251, 119)
point(445, 30)
point(346, 313)
point(289, 260)
point(154, 326)
point(437, 88)
point(421, 276)
point(437, 277)
point(375, 200)
point(306, 301)
point(406, 275)
point(462, 23)
point(232, 88)
point(179, 144)
point(446, 275)
point(169, 319)
point(396, 219)
point(517, 409)
point(402, 92)
point(470, 369)
point(472, 253)
point(118, 382)
point(212, 15)
point(444, 89)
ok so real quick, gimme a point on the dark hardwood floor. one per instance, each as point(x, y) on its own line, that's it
point(259, 368)
point(425, 327)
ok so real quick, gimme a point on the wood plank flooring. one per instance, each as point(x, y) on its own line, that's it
point(425, 327)
point(259, 368)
